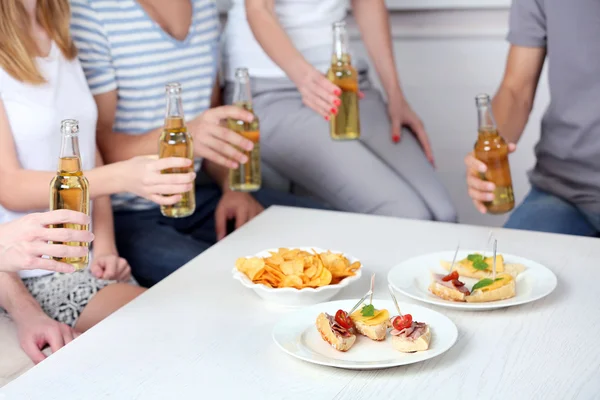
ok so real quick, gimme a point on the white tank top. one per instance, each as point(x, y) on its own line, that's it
point(307, 23)
point(35, 112)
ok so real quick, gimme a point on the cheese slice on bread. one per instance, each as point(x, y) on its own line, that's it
point(339, 338)
point(504, 287)
point(466, 268)
point(373, 326)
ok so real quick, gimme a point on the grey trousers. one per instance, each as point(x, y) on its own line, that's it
point(371, 175)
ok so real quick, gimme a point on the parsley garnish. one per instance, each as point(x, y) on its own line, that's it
point(484, 282)
point(475, 257)
point(368, 310)
point(478, 262)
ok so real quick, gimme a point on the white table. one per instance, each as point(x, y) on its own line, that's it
point(200, 335)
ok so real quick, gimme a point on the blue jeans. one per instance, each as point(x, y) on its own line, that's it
point(156, 246)
point(545, 212)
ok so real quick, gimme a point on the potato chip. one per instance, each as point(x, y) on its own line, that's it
point(250, 266)
point(297, 268)
point(292, 281)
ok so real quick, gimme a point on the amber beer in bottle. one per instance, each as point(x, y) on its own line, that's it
point(175, 141)
point(492, 150)
point(345, 125)
point(246, 177)
point(69, 189)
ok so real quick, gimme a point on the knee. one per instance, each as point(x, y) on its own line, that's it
point(445, 213)
point(403, 209)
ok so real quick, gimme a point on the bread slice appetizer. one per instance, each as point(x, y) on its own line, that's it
point(479, 267)
point(486, 290)
point(449, 287)
point(409, 336)
point(336, 331)
point(371, 322)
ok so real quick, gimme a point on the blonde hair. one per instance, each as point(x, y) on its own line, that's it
point(18, 49)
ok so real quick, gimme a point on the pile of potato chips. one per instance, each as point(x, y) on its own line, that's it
point(297, 269)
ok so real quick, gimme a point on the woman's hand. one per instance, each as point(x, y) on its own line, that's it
point(401, 114)
point(480, 191)
point(143, 177)
point(215, 142)
point(24, 241)
point(318, 92)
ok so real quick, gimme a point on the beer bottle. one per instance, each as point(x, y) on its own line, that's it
point(345, 125)
point(175, 141)
point(492, 150)
point(246, 177)
point(69, 189)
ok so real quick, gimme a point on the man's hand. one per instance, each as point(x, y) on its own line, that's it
point(235, 205)
point(217, 143)
point(24, 241)
point(110, 267)
point(37, 330)
point(479, 190)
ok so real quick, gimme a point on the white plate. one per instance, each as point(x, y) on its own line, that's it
point(292, 297)
point(297, 335)
point(412, 278)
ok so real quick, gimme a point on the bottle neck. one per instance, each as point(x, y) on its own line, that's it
point(242, 94)
point(174, 115)
point(486, 121)
point(70, 160)
point(341, 49)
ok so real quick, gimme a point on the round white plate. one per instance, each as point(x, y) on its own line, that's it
point(412, 278)
point(297, 335)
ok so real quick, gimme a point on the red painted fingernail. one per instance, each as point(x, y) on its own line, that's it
point(327, 118)
point(337, 102)
point(396, 138)
point(334, 111)
point(337, 92)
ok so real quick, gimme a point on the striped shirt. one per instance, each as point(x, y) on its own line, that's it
point(121, 48)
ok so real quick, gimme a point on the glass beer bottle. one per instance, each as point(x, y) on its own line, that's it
point(492, 150)
point(247, 177)
point(345, 125)
point(69, 189)
point(175, 141)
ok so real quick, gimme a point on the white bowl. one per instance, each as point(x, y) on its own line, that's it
point(292, 297)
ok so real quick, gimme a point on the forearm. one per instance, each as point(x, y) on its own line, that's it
point(218, 173)
point(121, 146)
point(274, 40)
point(373, 22)
point(511, 110)
point(15, 298)
point(30, 190)
point(103, 227)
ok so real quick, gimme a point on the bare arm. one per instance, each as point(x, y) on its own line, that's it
point(273, 38)
point(513, 102)
point(120, 146)
point(29, 189)
point(102, 220)
point(373, 21)
point(15, 298)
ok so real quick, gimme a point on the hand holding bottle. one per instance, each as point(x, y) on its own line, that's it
point(24, 241)
point(215, 142)
point(318, 92)
point(143, 177)
point(480, 191)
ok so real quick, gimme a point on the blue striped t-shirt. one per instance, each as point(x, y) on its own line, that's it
point(121, 48)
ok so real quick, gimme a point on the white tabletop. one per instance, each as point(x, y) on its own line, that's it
point(200, 334)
